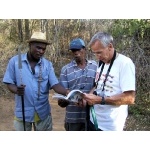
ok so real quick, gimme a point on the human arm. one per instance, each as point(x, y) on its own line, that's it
point(63, 81)
point(58, 88)
point(16, 89)
point(61, 90)
point(126, 84)
point(63, 103)
point(12, 77)
point(125, 98)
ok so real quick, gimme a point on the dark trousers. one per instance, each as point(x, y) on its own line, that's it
point(91, 127)
point(74, 126)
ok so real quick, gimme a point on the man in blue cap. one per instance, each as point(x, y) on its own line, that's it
point(78, 74)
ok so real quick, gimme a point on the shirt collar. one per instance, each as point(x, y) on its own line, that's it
point(24, 58)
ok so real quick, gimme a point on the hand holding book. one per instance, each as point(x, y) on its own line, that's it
point(73, 96)
point(63, 103)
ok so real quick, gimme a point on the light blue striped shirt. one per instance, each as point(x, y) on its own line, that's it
point(72, 77)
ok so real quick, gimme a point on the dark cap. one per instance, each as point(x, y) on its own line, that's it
point(76, 44)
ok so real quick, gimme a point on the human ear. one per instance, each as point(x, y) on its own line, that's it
point(110, 46)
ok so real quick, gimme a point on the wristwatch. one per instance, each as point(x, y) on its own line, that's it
point(103, 101)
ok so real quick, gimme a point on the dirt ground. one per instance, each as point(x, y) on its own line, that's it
point(142, 123)
point(7, 114)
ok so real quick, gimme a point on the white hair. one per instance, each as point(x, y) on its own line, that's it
point(103, 37)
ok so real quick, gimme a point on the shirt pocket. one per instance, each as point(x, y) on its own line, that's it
point(44, 83)
point(45, 76)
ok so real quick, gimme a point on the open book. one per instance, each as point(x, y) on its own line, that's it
point(74, 96)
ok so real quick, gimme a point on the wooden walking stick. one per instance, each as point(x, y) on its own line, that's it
point(22, 97)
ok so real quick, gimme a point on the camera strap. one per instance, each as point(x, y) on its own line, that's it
point(103, 64)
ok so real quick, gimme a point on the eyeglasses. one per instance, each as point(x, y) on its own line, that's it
point(97, 53)
point(100, 51)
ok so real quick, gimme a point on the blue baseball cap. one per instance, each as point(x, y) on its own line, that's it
point(76, 44)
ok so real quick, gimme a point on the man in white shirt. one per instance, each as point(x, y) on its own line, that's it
point(114, 86)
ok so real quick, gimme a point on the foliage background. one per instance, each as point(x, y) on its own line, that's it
point(131, 37)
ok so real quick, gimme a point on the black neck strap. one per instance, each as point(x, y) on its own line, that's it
point(103, 64)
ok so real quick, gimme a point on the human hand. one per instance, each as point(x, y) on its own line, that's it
point(20, 90)
point(63, 103)
point(90, 98)
point(81, 103)
point(67, 92)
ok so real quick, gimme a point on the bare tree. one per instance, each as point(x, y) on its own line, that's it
point(27, 30)
point(20, 32)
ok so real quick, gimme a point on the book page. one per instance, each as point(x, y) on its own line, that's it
point(74, 96)
point(73, 92)
point(59, 96)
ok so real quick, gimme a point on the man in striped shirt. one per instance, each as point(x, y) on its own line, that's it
point(78, 74)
